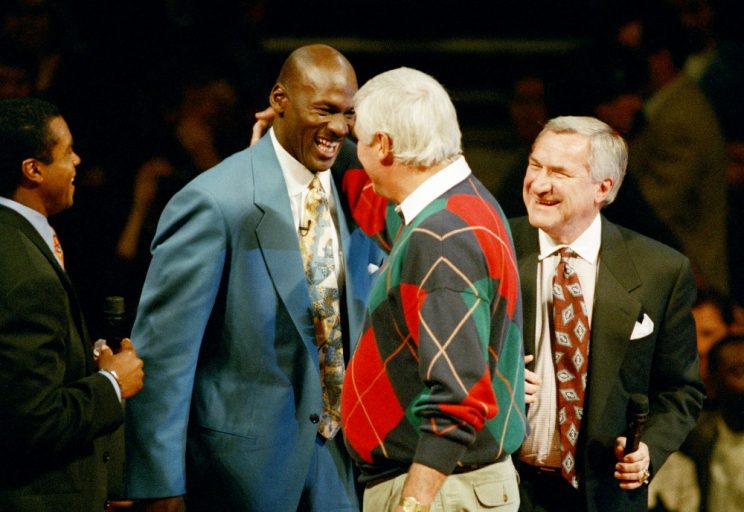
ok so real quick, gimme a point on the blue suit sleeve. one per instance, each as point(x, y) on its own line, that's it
point(177, 299)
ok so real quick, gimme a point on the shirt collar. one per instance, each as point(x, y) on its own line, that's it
point(296, 175)
point(432, 188)
point(37, 219)
point(586, 245)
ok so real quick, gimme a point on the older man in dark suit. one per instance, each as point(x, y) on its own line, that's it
point(606, 315)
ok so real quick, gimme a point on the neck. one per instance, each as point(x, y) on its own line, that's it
point(28, 198)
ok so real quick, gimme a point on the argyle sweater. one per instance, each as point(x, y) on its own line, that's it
point(438, 375)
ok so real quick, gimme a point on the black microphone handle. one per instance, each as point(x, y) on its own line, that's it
point(636, 415)
point(635, 431)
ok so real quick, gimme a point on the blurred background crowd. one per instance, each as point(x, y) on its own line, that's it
point(157, 91)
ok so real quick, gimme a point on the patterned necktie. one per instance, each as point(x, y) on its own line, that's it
point(570, 354)
point(58, 249)
point(316, 245)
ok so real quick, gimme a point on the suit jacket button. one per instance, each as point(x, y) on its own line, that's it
point(106, 457)
point(314, 418)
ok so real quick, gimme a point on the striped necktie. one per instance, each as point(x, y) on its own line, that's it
point(58, 249)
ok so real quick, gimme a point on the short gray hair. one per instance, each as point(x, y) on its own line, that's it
point(608, 152)
point(415, 111)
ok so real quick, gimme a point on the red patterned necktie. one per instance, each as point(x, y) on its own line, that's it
point(570, 354)
point(58, 249)
point(316, 246)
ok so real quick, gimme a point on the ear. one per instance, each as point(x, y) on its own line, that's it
point(31, 170)
point(605, 187)
point(385, 148)
point(278, 98)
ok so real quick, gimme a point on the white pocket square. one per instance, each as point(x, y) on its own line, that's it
point(642, 329)
point(372, 268)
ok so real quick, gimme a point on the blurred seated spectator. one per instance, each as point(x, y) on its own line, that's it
point(717, 443)
point(674, 487)
point(712, 312)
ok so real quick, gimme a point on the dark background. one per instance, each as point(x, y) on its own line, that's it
point(123, 65)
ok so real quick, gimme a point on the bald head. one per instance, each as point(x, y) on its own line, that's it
point(314, 101)
point(311, 62)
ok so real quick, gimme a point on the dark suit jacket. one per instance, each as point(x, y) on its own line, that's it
point(637, 276)
point(55, 411)
point(229, 409)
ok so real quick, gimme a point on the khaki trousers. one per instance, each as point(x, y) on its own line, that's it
point(492, 487)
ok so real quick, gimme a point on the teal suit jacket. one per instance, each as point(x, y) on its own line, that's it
point(637, 276)
point(232, 388)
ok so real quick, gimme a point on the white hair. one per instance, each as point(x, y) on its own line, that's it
point(415, 111)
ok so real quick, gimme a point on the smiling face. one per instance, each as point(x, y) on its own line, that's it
point(315, 111)
point(559, 193)
point(57, 187)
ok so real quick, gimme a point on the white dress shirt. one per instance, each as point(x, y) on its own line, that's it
point(542, 446)
point(432, 188)
point(298, 178)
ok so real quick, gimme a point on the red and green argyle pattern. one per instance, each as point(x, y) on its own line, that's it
point(438, 375)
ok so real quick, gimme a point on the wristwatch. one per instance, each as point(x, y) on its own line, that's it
point(411, 504)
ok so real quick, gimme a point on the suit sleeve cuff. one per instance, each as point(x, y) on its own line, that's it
point(114, 382)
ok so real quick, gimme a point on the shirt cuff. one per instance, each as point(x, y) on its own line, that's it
point(114, 382)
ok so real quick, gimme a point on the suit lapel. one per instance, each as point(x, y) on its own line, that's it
point(528, 276)
point(614, 315)
point(17, 220)
point(615, 309)
point(344, 234)
point(527, 248)
point(278, 240)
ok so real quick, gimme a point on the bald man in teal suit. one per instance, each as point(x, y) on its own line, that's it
point(229, 414)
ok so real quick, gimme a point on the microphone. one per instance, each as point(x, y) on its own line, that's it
point(115, 321)
point(306, 228)
point(636, 414)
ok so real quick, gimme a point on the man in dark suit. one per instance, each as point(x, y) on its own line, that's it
point(635, 298)
point(233, 413)
point(56, 409)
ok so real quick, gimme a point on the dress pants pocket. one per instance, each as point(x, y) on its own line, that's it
point(384, 497)
point(497, 493)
